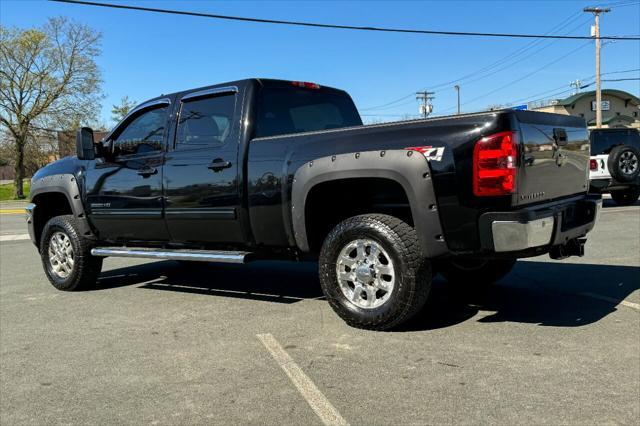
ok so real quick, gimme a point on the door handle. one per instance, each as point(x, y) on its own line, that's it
point(147, 171)
point(219, 164)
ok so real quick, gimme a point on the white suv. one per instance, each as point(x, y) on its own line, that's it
point(615, 164)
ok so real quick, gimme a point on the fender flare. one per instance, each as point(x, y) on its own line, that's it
point(408, 168)
point(66, 184)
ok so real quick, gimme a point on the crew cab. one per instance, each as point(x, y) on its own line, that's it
point(269, 169)
point(615, 164)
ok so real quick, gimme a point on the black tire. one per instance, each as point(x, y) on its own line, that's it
point(412, 272)
point(626, 197)
point(624, 163)
point(84, 271)
point(475, 274)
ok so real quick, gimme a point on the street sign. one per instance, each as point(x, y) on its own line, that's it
point(520, 107)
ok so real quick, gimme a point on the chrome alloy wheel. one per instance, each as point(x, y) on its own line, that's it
point(61, 254)
point(628, 162)
point(365, 273)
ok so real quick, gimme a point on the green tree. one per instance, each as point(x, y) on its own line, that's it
point(118, 112)
point(48, 78)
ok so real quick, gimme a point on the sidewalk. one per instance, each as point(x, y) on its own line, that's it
point(13, 205)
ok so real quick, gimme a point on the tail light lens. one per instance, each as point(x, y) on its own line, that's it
point(494, 165)
point(593, 164)
point(305, 84)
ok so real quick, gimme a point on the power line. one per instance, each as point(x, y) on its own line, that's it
point(508, 58)
point(526, 75)
point(547, 93)
point(622, 79)
point(335, 26)
point(513, 56)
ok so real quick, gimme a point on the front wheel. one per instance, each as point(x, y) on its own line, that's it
point(626, 197)
point(66, 256)
point(475, 274)
point(373, 271)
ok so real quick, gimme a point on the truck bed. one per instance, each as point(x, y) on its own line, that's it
point(546, 170)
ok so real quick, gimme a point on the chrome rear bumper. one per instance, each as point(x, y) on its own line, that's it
point(513, 236)
point(534, 230)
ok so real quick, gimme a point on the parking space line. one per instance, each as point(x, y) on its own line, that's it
point(14, 237)
point(309, 391)
point(619, 209)
point(631, 305)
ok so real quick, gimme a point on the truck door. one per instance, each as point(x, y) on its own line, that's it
point(201, 176)
point(124, 191)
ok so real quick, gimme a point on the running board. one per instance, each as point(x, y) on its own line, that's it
point(173, 254)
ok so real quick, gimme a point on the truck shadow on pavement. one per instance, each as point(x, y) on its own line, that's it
point(280, 282)
point(553, 294)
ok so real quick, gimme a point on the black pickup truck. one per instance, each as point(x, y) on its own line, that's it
point(268, 169)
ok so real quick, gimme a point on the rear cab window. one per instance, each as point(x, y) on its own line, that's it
point(285, 109)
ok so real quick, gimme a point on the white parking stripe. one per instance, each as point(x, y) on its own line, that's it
point(631, 305)
point(318, 402)
point(14, 237)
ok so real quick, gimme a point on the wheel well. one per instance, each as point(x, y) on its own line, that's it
point(329, 203)
point(48, 205)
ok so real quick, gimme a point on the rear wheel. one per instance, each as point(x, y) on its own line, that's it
point(626, 197)
point(475, 274)
point(66, 256)
point(373, 272)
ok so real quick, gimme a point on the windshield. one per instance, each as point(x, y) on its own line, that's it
point(283, 110)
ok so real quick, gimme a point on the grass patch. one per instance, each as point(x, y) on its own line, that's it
point(7, 190)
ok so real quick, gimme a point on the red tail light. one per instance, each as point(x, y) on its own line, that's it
point(593, 164)
point(305, 84)
point(494, 165)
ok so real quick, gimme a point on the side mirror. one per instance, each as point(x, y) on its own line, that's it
point(84, 144)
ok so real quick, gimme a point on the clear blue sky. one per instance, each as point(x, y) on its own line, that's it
point(145, 54)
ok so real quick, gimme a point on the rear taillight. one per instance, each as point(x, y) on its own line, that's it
point(494, 165)
point(593, 164)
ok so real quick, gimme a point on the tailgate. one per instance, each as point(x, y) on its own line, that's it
point(555, 158)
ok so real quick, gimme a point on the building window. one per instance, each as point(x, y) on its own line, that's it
point(635, 113)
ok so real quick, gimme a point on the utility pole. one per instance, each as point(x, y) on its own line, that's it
point(577, 84)
point(596, 12)
point(458, 91)
point(426, 108)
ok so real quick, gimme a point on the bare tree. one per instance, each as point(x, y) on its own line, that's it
point(48, 79)
point(118, 112)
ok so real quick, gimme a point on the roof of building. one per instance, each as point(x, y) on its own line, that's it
point(609, 119)
point(612, 92)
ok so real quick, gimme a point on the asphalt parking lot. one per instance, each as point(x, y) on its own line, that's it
point(555, 342)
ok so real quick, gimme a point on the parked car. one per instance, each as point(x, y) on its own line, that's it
point(267, 169)
point(615, 164)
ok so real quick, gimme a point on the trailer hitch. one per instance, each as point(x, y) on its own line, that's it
point(573, 247)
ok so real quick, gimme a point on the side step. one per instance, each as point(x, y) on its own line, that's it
point(173, 254)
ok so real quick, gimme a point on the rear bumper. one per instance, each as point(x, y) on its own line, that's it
point(606, 185)
point(535, 230)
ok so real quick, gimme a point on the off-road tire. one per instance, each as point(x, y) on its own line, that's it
point(624, 163)
point(412, 279)
point(626, 197)
point(475, 275)
point(86, 268)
